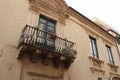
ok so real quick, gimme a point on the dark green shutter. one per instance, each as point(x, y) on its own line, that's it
point(118, 39)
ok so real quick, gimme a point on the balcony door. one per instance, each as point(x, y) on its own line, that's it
point(47, 25)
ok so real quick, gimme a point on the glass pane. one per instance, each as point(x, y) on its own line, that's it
point(91, 49)
point(41, 26)
point(51, 29)
point(95, 49)
point(110, 55)
point(42, 20)
point(51, 24)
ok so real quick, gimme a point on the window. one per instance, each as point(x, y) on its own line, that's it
point(93, 47)
point(48, 25)
point(111, 60)
point(99, 78)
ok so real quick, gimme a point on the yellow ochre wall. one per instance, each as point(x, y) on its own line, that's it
point(15, 14)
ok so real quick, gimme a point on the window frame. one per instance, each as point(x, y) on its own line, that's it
point(93, 47)
point(46, 27)
point(110, 55)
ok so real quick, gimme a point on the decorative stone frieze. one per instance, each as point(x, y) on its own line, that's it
point(50, 7)
point(96, 65)
point(113, 68)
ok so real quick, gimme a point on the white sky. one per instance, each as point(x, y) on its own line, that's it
point(108, 11)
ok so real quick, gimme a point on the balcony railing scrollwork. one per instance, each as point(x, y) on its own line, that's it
point(39, 44)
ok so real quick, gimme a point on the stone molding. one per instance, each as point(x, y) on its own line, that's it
point(114, 68)
point(96, 65)
point(55, 8)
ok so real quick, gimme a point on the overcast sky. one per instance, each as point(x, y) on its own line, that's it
point(108, 11)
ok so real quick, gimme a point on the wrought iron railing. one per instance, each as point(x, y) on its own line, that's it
point(41, 39)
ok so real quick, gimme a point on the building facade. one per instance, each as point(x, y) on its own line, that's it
point(48, 40)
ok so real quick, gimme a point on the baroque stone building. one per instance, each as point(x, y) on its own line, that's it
point(48, 40)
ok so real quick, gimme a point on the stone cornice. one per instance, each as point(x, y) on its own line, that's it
point(91, 24)
point(94, 33)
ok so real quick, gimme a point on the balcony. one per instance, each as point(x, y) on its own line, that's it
point(45, 46)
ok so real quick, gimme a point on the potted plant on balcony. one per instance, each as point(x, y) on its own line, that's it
point(52, 37)
point(36, 27)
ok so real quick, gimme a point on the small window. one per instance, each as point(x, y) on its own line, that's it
point(99, 78)
point(111, 60)
point(93, 46)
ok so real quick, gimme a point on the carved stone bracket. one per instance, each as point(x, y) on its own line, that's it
point(22, 52)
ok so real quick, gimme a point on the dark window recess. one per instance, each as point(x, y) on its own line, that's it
point(93, 47)
point(99, 78)
point(111, 60)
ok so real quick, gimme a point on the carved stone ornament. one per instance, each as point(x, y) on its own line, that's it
point(56, 7)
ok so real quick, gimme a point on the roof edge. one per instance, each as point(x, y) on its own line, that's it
point(89, 20)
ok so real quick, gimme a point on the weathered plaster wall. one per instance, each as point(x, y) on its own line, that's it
point(76, 31)
point(13, 17)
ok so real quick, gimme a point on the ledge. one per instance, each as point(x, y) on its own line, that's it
point(97, 69)
point(112, 73)
point(113, 65)
point(96, 65)
point(43, 75)
point(95, 59)
point(113, 68)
